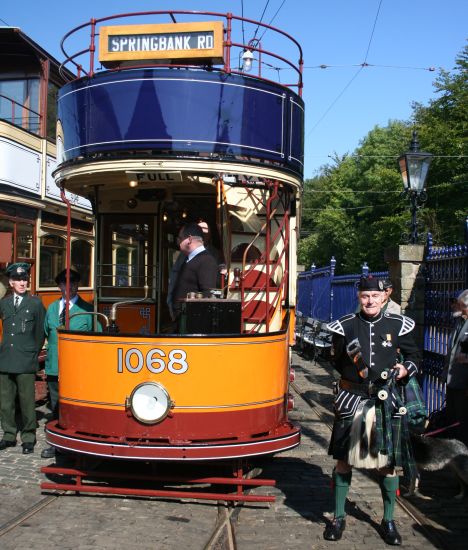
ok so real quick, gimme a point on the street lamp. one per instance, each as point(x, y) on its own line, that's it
point(414, 165)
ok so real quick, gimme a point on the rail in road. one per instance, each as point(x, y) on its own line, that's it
point(296, 520)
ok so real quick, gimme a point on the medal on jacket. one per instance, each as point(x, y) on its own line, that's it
point(387, 343)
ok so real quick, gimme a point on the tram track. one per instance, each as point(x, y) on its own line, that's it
point(224, 533)
point(428, 527)
point(28, 513)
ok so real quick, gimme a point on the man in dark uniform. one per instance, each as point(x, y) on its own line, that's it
point(199, 272)
point(23, 335)
point(369, 430)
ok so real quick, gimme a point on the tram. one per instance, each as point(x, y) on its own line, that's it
point(168, 130)
point(32, 215)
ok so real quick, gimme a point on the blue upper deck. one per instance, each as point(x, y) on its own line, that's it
point(168, 109)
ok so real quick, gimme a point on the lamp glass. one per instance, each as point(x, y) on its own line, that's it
point(247, 58)
point(418, 167)
point(414, 168)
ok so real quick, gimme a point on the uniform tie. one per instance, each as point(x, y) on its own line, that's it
point(16, 303)
point(62, 317)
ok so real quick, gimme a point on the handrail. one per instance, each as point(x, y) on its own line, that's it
point(228, 43)
point(93, 313)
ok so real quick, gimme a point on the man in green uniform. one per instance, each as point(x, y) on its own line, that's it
point(55, 317)
point(23, 335)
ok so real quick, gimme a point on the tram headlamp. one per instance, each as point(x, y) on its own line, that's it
point(149, 402)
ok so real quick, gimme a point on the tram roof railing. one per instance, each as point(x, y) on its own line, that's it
point(276, 63)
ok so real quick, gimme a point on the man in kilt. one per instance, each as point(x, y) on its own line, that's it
point(376, 355)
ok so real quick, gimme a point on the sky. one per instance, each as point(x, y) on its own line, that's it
point(399, 40)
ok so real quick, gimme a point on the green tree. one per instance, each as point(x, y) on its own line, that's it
point(354, 209)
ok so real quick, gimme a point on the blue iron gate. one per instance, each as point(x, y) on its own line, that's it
point(446, 274)
point(324, 296)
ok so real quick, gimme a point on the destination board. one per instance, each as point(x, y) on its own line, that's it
point(177, 42)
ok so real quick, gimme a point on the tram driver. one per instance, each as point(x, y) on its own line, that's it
point(199, 272)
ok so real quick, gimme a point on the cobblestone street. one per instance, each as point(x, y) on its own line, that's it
point(296, 520)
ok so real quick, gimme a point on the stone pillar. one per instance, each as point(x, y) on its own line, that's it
point(405, 266)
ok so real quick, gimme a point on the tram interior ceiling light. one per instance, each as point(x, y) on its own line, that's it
point(133, 183)
point(414, 167)
point(247, 60)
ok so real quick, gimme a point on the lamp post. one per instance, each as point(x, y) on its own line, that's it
point(414, 165)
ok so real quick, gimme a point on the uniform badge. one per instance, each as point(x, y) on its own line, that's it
point(387, 343)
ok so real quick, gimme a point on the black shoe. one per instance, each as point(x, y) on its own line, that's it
point(48, 452)
point(4, 443)
point(389, 533)
point(28, 448)
point(334, 530)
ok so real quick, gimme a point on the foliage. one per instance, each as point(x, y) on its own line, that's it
point(355, 208)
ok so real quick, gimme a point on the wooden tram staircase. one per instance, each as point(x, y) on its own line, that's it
point(259, 270)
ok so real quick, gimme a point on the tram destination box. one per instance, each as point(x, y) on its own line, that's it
point(210, 316)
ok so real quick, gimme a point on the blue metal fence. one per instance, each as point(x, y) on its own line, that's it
point(446, 274)
point(324, 296)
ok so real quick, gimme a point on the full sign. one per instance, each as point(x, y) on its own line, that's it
point(181, 42)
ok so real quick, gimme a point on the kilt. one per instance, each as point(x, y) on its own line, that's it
point(390, 437)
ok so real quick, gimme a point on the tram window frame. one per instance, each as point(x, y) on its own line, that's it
point(86, 272)
point(51, 114)
point(107, 255)
point(21, 215)
point(25, 97)
point(83, 265)
point(48, 281)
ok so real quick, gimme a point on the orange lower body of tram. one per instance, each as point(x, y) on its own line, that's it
point(226, 397)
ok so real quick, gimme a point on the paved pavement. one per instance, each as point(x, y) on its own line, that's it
point(296, 520)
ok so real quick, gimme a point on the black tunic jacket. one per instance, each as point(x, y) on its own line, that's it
point(381, 338)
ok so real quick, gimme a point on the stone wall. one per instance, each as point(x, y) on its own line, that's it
point(405, 266)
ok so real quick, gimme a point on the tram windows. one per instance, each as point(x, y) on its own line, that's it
point(52, 95)
point(52, 259)
point(126, 262)
point(6, 231)
point(20, 103)
point(24, 240)
point(81, 258)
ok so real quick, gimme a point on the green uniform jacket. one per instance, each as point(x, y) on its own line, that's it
point(80, 322)
point(23, 334)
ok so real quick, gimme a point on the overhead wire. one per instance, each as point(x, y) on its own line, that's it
point(242, 14)
point(373, 30)
point(272, 19)
point(348, 84)
point(364, 65)
point(261, 19)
